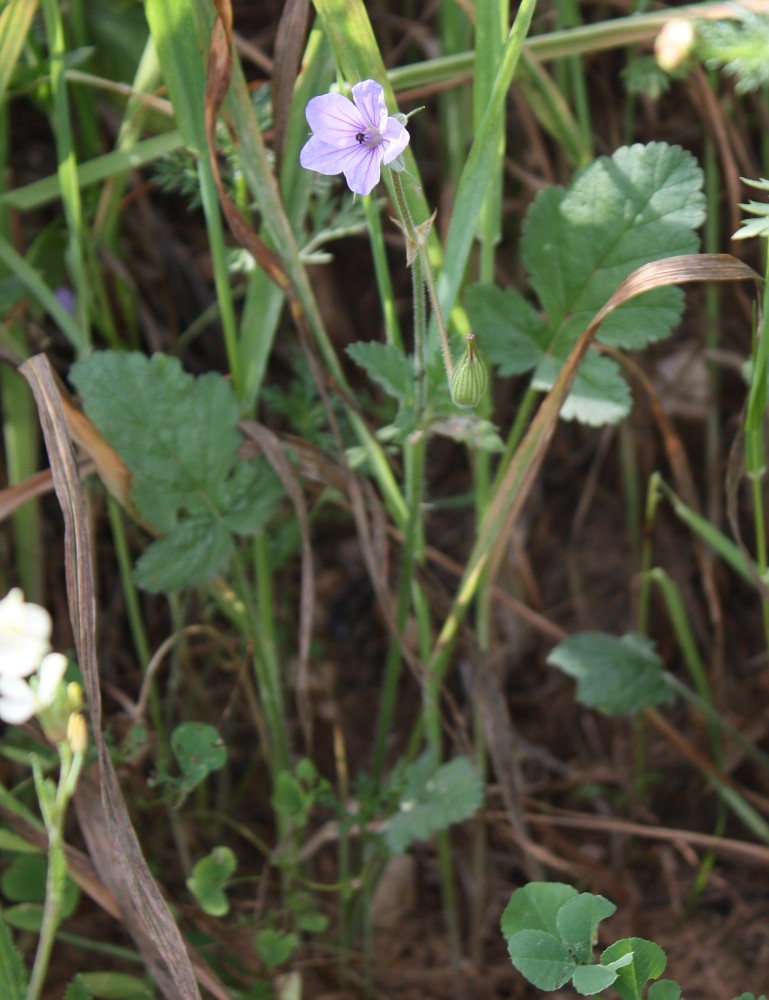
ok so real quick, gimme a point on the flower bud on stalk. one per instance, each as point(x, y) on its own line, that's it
point(77, 733)
point(470, 377)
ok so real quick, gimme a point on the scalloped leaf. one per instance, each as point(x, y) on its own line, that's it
point(578, 920)
point(649, 961)
point(385, 365)
point(642, 204)
point(542, 958)
point(617, 676)
point(179, 437)
point(535, 906)
point(433, 800)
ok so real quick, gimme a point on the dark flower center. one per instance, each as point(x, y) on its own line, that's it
point(370, 137)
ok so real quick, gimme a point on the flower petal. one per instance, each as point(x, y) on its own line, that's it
point(395, 138)
point(17, 701)
point(25, 630)
point(334, 119)
point(363, 170)
point(52, 670)
point(369, 97)
point(358, 163)
point(323, 157)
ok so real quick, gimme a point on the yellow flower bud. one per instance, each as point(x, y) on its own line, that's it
point(77, 733)
point(74, 696)
point(470, 378)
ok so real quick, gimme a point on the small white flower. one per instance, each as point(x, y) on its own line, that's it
point(25, 632)
point(21, 699)
point(49, 677)
point(17, 701)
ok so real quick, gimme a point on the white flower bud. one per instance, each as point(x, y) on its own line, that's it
point(674, 44)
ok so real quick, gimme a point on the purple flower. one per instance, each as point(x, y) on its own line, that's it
point(353, 139)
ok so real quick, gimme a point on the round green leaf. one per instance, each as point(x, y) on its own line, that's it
point(535, 906)
point(274, 947)
point(591, 979)
point(199, 749)
point(542, 958)
point(577, 921)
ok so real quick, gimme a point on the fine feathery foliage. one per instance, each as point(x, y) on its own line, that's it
point(617, 676)
point(758, 226)
point(178, 436)
point(639, 205)
point(738, 45)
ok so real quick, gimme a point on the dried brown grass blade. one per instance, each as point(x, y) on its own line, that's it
point(217, 84)
point(104, 819)
point(516, 485)
point(289, 46)
point(657, 274)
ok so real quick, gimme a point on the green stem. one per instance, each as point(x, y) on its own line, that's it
point(67, 171)
point(54, 810)
point(416, 244)
point(267, 672)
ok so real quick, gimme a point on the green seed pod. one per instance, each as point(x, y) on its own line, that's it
point(470, 378)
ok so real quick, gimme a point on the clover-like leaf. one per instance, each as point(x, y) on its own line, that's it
point(535, 906)
point(649, 961)
point(542, 958)
point(199, 749)
point(209, 876)
point(578, 919)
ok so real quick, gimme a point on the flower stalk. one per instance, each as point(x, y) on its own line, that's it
point(54, 801)
point(416, 247)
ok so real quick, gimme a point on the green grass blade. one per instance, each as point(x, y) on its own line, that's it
point(177, 39)
point(67, 169)
point(15, 22)
point(712, 537)
point(29, 277)
point(480, 166)
point(95, 171)
point(177, 33)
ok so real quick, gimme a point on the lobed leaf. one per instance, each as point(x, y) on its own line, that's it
point(598, 395)
point(433, 801)
point(617, 676)
point(577, 921)
point(179, 437)
point(640, 205)
point(535, 906)
point(542, 958)
point(199, 749)
point(387, 366)
point(591, 979)
point(649, 962)
point(208, 878)
point(509, 329)
point(666, 989)
point(194, 550)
